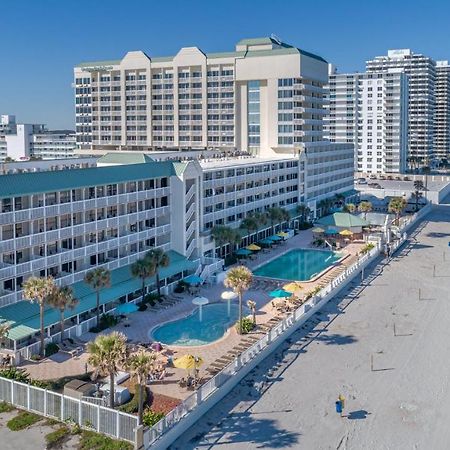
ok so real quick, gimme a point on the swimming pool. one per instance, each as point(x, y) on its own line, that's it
point(298, 264)
point(189, 331)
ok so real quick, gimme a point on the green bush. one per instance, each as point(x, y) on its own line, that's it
point(150, 417)
point(181, 287)
point(57, 437)
point(35, 357)
point(5, 407)
point(16, 374)
point(106, 321)
point(50, 349)
point(133, 405)
point(23, 420)
point(305, 225)
point(151, 299)
point(367, 248)
point(94, 441)
point(230, 260)
point(142, 306)
point(247, 325)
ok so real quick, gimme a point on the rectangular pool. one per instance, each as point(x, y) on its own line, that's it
point(298, 264)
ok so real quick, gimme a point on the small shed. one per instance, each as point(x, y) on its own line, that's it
point(78, 389)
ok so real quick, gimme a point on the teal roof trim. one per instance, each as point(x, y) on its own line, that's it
point(343, 220)
point(12, 185)
point(23, 316)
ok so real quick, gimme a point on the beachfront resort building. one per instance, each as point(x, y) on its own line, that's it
point(442, 117)
point(370, 111)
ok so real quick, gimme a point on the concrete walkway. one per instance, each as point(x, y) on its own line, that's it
point(383, 345)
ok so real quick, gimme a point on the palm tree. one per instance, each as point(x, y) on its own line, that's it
point(4, 331)
point(62, 299)
point(223, 235)
point(250, 224)
point(143, 269)
point(106, 354)
point(365, 207)
point(252, 307)
point(239, 279)
point(418, 191)
point(396, 206)
point(350, 207)
point(37, 289)
point(159, 258)
point(304, 211)
point(97, 279)
point(140, 365)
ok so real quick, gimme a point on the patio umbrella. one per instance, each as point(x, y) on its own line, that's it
point(188, 362)
point(243, 252)
point(280, 293)
point(228, 296)
point(282, 234)
point(346, 233)
point(274, 238)
point(253, 247)
point(292, 287)
point(266, 242)
point(200, 301)
point(193, 279)
point(318, 230)
point(126, 308)
point(331, 231)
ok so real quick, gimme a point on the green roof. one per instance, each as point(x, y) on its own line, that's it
point(113, 62)
point(59, 180)
point(343, 220)
point(124, 158)
point(23, 316)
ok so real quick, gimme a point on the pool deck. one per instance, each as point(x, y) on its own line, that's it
point(141, 323)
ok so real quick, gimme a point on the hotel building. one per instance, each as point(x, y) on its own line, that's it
point(370, 110)
point(442, 116)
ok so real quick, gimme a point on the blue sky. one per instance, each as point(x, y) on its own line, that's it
point(43, 39)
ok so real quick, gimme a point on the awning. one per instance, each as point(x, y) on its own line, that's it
point(23, 316)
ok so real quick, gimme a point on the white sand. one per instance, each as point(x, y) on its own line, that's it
point(288, 402)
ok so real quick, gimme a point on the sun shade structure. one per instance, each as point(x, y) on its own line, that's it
point(243, 252)
point(318, 230)
point(292, 287)
point(282, 234)
point(280, 293)
point(200, 301)
point(188, 362)
point(331, 231)
point(266, 242)
point(343, 220)
point(126, 308)
point(346, 233)
point(193, 279)
point(228, 296)
point(253, 247)
point(274, 238)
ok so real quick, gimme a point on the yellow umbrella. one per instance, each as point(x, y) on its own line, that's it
point(318, 230)
point(346, 233)
point(283, 234)
point(188, 362)
point(253, 247)
point(292, 287)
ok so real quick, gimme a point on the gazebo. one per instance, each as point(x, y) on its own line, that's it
point(343, 221)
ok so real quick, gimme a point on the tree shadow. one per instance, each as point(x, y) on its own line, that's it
point(336, 339)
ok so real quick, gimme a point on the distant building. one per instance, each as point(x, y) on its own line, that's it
point(442, 116)
point(370, 111)
point(21, 142)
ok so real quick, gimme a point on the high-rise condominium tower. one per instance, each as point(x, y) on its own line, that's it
point(370, 110)
point(442, 116)
point(422, 76)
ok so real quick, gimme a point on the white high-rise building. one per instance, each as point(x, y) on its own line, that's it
point(370, 110)
point(422, 75)
point(442, 116)
point(264, 97)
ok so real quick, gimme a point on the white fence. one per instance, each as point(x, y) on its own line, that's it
point(51, 404)
point(166, 431)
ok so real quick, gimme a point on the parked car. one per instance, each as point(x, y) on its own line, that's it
point(374, 186)
point(373, 176)
point(361, 181)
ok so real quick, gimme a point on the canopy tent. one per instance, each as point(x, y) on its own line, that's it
point(23, 316)
point(343, 220)
point(292, 287)
point(193, 279)
point(283, 234)
point(126, 308)
point(253, 247)
point(280, 293)
point(318, 230)
point(331, 231)
point(243, 252)
point(275, 238)
point(188, 362)
point(266, 242)
point(346, 233)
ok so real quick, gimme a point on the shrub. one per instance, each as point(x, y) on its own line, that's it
point(133, 405)
point(106, 321)
point(230, 260)
point(5, 407)
point(50, 349)
point(367, 248)
point(247, 325)
point(94, 441)
point(151, 298)
point(23, 420)
point(142, 306)
point(305, 225)
point(181, 287)
point(16, 374)
point(150, 417)
point(35, 357)
point(57, 437)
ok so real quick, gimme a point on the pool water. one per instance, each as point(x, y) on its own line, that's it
point(298, 264)
point(189, 331)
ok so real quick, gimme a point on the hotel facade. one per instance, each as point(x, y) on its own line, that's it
point(64, 223)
